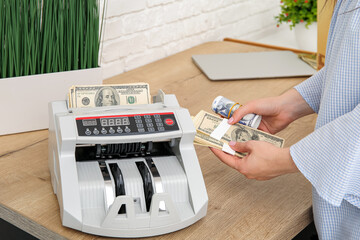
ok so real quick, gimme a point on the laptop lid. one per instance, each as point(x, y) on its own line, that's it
point(252, 65)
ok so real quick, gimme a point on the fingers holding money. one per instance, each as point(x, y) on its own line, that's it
point(226, 107)
point(262, 162)
point(234, 161)
point(241, 112)
point(273, 119)
point(239, 164)
point(243, 147)
point(228, 159)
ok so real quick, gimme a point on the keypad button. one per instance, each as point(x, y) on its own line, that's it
point(149, 124)
point(148, 120)
point(137, 117)
point(151, 129)
point(158, 120)
point(138, 121)
point(140, 125)
point(156, 116)
point(127, 129)
point(88, 132)
point(119, 130)
point(141, 130)
point(112, 131)
point(147, 116)
point(96, 132)
point(103, 131)
point(159, 124)
point(161, 129)
point(169, 121)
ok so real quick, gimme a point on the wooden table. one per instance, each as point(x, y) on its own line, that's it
point(238, 208)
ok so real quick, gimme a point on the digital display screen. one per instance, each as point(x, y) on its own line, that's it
point(121, 121)
point(89, 122)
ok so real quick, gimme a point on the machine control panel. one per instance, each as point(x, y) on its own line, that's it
point(118, 125)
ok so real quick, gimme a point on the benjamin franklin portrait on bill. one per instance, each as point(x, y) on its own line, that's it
point(241, 135)
point(106, 96)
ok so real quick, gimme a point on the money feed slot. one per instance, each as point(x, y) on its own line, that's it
point(126, 172)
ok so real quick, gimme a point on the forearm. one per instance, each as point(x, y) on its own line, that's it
point(294, 105)
point(288, 163)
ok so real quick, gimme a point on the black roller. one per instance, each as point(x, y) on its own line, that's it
point(98, 150)
point(147, 183)
point(119, 183)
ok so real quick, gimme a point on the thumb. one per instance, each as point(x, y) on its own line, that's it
point(241, 146)
point(241, 112)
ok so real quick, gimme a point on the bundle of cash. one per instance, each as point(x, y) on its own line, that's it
point(107, 95)
point(205, 123)
point(309, 59)
point(226, 108)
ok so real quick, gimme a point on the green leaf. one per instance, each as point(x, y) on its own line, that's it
point(295, 11)
point(40, 36)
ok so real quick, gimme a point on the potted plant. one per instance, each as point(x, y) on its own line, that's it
point(300, 15)
point(46, 47)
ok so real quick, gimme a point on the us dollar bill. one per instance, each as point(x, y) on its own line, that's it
point(206, 123)
point(204, 140)
point(226, 108)
point(109, 95)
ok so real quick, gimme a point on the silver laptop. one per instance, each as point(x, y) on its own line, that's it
point(252, 65)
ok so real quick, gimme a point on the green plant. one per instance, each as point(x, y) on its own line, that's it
point(296, 11)
point(43, 36)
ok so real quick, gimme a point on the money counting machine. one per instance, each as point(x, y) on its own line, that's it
point(125, 171)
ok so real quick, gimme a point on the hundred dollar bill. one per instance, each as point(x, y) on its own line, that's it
point(108, 95)
point(226, 108)
point(204, 140)
point(206, 123)
point(207, 141)
point(309, 59)
point(71, 97)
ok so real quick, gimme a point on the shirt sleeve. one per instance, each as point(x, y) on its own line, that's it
point(330, 158)
point(311, 89)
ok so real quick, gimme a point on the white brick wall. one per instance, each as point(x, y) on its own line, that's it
point(138, 32)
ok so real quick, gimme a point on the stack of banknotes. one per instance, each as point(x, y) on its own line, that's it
point(309, 59)
point(85, 96)
point(226, 108)
point(205, 123)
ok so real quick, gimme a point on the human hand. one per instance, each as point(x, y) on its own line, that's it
point(263, 161)
point(274, 118)
point(277, 112)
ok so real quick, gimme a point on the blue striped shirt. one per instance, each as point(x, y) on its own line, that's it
point(330, 156)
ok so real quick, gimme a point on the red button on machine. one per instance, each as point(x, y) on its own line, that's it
point(169, 121)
